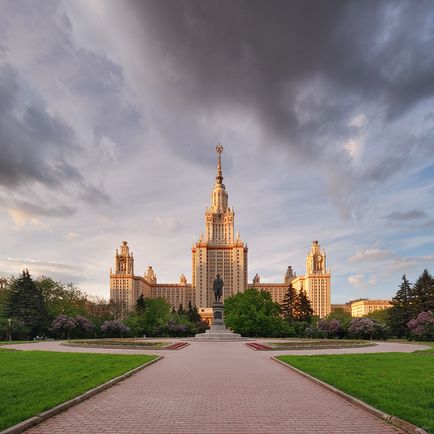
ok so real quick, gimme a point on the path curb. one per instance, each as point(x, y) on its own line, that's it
point(41, 417)
point(395, 421)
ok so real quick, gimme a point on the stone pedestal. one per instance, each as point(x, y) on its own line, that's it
point(218, 330)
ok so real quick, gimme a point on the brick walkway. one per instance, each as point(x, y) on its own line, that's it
point(215, 388)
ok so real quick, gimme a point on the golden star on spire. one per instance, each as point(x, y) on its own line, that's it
point(219, 149)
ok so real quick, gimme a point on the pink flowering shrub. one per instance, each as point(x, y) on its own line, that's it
point(64, 324)
point(422, 327)
point(367, 328)
point(331, 327)
point(114, 328)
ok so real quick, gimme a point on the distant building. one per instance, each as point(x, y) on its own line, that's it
point(218, 251)
point(346, 307)
point(364, 306)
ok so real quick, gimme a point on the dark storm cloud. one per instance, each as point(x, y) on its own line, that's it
point(258, 53)
point(35, 145)
point(32, 142)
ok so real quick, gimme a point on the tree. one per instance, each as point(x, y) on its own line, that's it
point(422, 293)
point(140, 304)
point(303, 309)
point(26, 303)
point(401, 311)
point(288, 305)
point(342, 316)
point(193, 313)
point(253, 313)
point(61, 298)
point(153, 320)
point(181, 309)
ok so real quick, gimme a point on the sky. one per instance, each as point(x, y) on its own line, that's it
point(110, 113)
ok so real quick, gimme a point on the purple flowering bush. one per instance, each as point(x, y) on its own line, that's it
point(367, 328)
point(114, 328)
point(84, 324)
point(63, 324)
point(331, 327)
point(68, 325)
point(422, 327)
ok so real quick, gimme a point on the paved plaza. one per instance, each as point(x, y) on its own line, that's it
point(216, 388)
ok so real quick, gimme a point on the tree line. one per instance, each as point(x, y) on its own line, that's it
point(43, 307)
point(253, 313)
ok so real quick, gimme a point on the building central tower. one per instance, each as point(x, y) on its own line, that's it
point(219, 251)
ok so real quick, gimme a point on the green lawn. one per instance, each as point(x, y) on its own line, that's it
point(397, 383)
point(34, 381)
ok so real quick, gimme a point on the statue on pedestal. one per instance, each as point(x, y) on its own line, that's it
point(218, 288)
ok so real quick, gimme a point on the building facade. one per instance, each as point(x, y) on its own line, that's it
point(364, 306)
point(219, 250)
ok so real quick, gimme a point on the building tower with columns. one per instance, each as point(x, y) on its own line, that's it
point(219, 251)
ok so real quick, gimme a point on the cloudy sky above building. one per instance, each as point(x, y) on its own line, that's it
point(110, 112)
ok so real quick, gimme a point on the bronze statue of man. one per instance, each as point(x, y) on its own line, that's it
point(218, 288)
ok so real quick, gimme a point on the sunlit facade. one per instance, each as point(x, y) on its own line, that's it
point(219, 250)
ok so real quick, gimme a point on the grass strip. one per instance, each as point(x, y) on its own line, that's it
point(400, 384)
point(34, 381)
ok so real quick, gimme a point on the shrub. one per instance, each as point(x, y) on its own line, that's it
point(366, 328)
point(422, 327)
point(114, 328)
point(332, 328)
point(63, 324)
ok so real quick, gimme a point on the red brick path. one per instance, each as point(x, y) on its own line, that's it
point(215, 388)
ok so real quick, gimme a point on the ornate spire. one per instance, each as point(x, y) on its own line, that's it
point(219, 177)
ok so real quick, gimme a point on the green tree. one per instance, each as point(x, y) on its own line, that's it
point(193, 314)
point(288, 305)
point(253, 313)
point(303, 309)
point(381, 315)
point(340, 314)
point(140, 304)
point(60, 298)
point(26, 303)
point(153, 321)
point(422, 294)
point(401, 311)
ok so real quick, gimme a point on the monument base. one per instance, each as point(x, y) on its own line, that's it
point(218, 330)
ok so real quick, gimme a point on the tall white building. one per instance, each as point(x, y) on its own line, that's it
point(219, 250)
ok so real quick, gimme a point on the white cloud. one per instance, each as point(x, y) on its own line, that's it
point(370, 255)
point(169, 224)
point(360, 280)
point(356, 279)
point(22, 218)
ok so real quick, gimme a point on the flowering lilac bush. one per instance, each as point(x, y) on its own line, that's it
point(331, 327)
point(362, 328)
point(84, 324)
point(114, 328)
point(64, 324)
point(366, 328)
point(422, 327)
